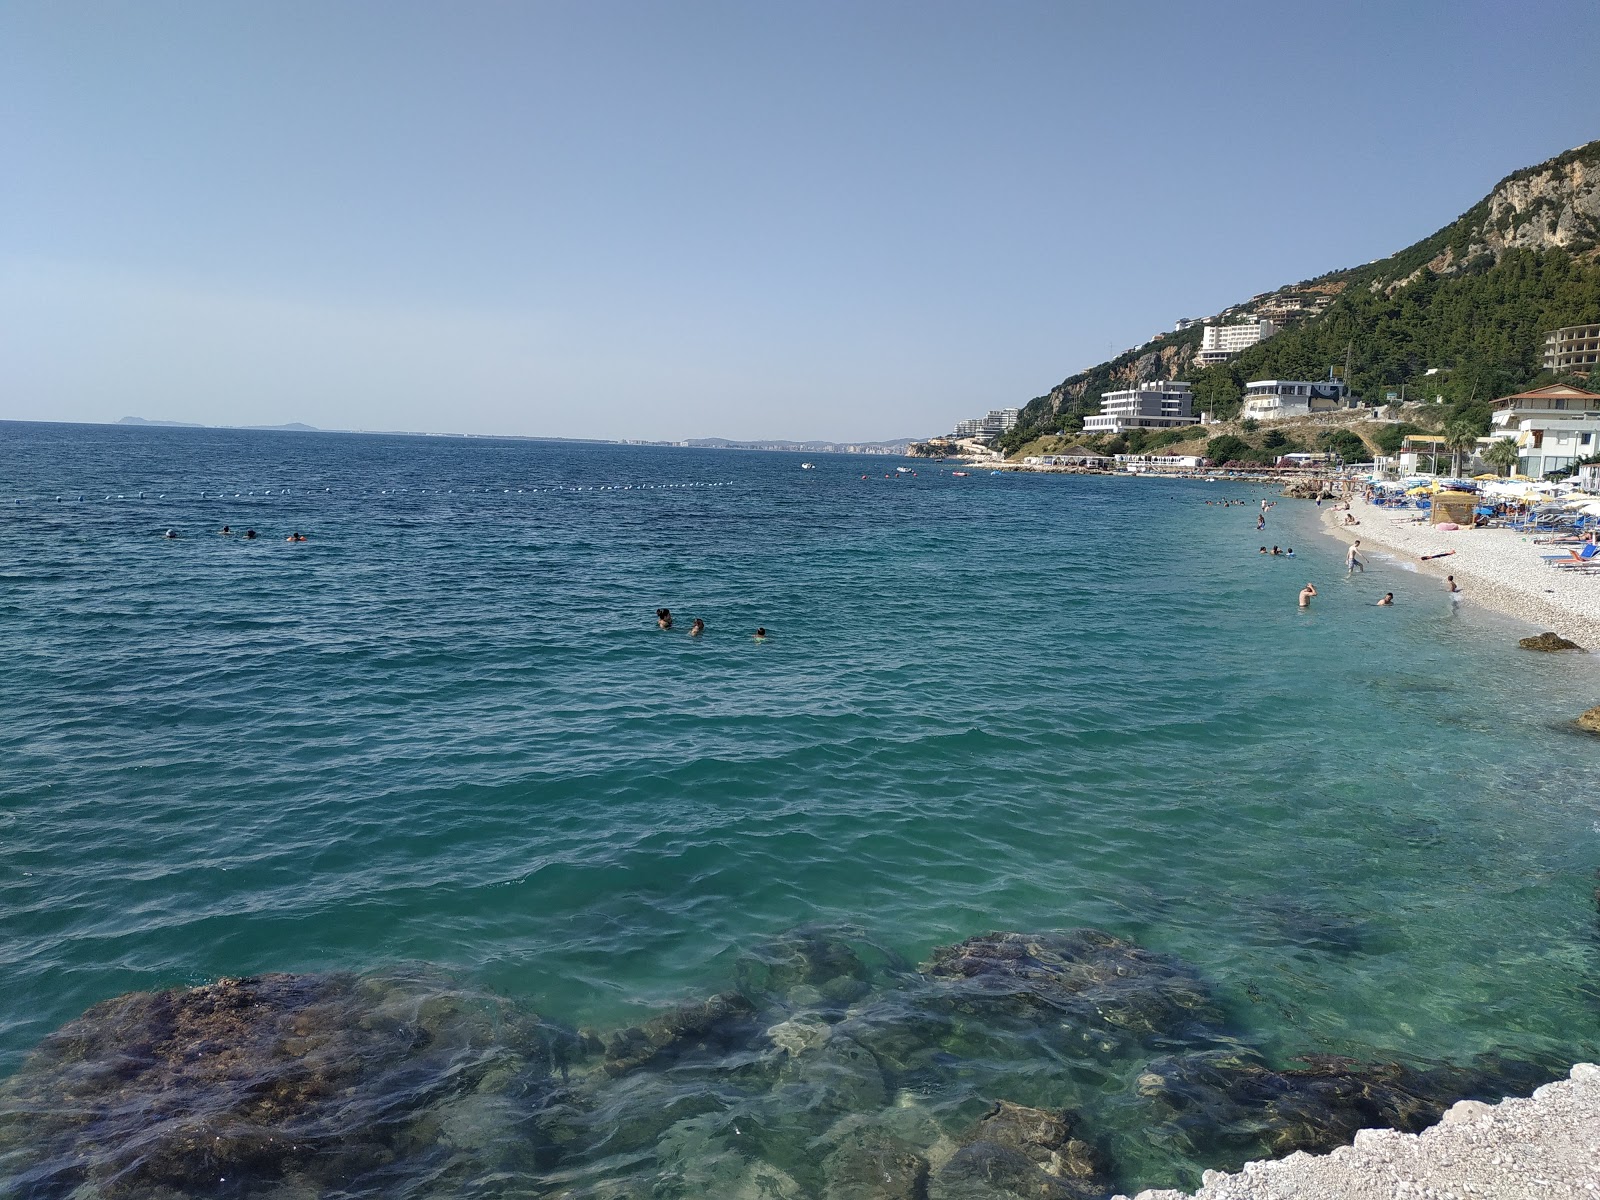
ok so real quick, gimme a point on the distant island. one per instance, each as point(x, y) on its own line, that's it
point(295, 426)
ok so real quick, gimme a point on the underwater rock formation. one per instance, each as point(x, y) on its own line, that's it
point(1081, 976)
point(723, 1021)
point(1231, 1099)
point(1015, 1151)
point(315, 1080)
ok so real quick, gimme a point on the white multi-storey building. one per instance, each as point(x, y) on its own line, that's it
point(1219, 343)
point(1163, 405)
point(1556, 402)
point(989, 426)
point(1274, 399)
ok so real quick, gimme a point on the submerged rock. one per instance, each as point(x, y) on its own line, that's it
point(724, 1021)
point(1082, 976)
point(320, 1080)
point(1232, 1099)
point(1015, 1151)
point(868, 1162)
point(820, 967)
point(1547, 641)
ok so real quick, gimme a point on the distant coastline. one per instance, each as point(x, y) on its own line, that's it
point(893, 446)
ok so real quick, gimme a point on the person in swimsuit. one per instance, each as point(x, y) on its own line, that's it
point(1352, 560)
point(761, 633)
point(1305, 595)
point(697, 628)
point(1387, 601)
point(663, 618)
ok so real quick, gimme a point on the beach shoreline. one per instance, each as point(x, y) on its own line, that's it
point(1496, 568)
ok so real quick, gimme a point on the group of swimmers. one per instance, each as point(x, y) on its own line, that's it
point(249, 535)
point(664, 621)
point(1276, 553)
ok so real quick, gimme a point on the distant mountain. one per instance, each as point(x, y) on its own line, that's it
point(167, 424)
point(294, 426)
point(1461, 314)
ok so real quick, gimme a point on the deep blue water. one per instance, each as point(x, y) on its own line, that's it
point(445, 729)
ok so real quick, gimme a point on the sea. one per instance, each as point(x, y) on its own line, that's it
point(444, 739)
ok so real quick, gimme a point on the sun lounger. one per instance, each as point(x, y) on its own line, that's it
point(1572, 557)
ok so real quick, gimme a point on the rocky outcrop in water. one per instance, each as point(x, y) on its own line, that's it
point(315, 1081)
point(1589, 720)
point(1547, 641)
point(1015, 1151)
point(701, 1026)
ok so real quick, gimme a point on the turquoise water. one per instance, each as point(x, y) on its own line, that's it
point(446, 730)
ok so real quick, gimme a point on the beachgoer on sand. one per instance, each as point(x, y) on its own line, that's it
point(1305, 595)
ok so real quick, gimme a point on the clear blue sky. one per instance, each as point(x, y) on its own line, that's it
point(843, 220)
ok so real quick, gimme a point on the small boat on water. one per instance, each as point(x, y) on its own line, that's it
point(961, 474)
point(808, 466)
point(903, 470)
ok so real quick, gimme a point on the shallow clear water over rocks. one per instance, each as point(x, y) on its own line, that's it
point(989, 1073)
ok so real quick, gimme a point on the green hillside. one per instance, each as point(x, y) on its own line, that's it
point(1473, 302)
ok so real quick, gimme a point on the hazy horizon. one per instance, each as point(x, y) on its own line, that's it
point(629, 221)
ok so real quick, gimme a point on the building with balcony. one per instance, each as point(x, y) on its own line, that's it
point(1160, 405)
point(1574, 348)
point(1274, 399)
point(1557, 402)
point(1219, 343)
point(989, 426)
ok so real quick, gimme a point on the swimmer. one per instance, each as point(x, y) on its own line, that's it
point(1305, 595)
point(226, 531)
point(1387, 601)
point(250, 533)
point(761, 633)
point(1289, 553)
point(171, 533)
point(697, 628)
point(1261, 521)
point(1263, 549)
point(663, 618)
point(1451, 586)
point(1276, 552)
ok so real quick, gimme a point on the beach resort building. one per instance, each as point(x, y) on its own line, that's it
point(1545, 446)
point(1574, 348)
point(1137, 464)
point(1158, 405)
point(1274, 399)
point(1421, 454)
point(989, 426)
point(1557, 401)
point(1219, 343)
point(1077, 456)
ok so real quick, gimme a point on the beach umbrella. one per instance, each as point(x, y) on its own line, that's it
point(1486, 477)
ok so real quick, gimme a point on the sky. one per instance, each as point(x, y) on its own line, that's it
point(596, 218)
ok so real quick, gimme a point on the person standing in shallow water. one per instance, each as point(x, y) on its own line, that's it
point(1352, 560)
point(1305, 595)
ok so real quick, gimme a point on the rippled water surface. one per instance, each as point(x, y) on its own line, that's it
point(446, 731)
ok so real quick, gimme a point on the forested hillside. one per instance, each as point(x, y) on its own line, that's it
point(1472, 302)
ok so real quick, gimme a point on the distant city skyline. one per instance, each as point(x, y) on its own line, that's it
point(842, 222)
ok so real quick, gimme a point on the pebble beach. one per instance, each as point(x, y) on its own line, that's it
point(1498, 568)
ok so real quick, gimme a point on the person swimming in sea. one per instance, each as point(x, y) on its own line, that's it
point(1276, 553)
point(1387, 601)
point(761, 633)
point(250, 533)
point(226, 531)
point(663, 618)
point(1305, 595)
point(171, 533)
point(1289, 553)
point(697, 628)
point(1263, 549)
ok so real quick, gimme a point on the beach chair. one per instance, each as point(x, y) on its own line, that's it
point(1573, 557)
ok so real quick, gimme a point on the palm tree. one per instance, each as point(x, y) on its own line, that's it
point(1459, 437)
point(1502, 455)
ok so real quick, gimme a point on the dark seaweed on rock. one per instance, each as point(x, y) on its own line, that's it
point(1222, 1100)
point(317, 1079)
point(721, 1023)
point(1081, 976)
point(816, 967)
point(1015, 1151)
